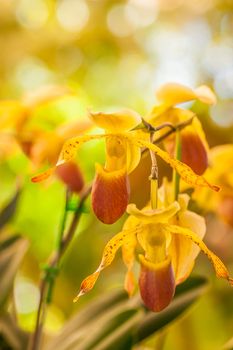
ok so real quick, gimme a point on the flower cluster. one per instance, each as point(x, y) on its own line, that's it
point(168, 234)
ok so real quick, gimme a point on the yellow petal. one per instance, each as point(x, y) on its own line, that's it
point(182, 250)
point(205, 94)
point(220, 268)
point(153, 215)
point(108, 256)
point(183, 170)
point(124, 120)
point(174, 93)
point(133, 156)
point(171, 94)
point(70, 147)
point(68, 152)
point(128, 255)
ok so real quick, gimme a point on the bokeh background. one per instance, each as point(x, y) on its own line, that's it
point(112, 54)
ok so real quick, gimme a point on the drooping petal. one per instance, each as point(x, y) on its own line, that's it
point(122, 121)
point(128, 255)
point(110, 194)
point(108, 256)
point(183, 170)
point(68, 152)
point(171, 94)
point(156, 283)
point(153, 215)
point(220, 268)
point(181, 249)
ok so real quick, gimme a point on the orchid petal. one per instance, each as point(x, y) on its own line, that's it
point(171, 94)
point(182, 250)
point(108, 256)
point(128, 255)
point(183, 170)
point(122, 121)
point(68, 152)
point(220, 269)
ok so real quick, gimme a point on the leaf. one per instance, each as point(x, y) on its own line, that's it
point(11, 335)
point(9, 210)
point(118, 322)
point(186, 295)
point(11, 254)
point(94, 310)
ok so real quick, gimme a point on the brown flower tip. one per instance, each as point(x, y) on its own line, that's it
point(110, 194)
point(71, 175)
point(225, 209)
point(156, 283)
point(194, 152)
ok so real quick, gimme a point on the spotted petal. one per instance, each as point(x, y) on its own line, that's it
point(220, 269)
point(183, 170)
point(108, 256)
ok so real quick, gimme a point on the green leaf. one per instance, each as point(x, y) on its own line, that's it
point(12, 337)
point(7, 213)
point(11, 254)
point(118, 322)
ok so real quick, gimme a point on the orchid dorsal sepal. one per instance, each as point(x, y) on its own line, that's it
point(171, 94)
point(116, 122)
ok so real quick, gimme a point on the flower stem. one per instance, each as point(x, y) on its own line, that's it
point(153, 178)
point(176, 176)
point(51, 270)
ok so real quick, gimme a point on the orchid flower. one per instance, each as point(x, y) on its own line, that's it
point(193, 141)
point(110, 192)
point(171, 238)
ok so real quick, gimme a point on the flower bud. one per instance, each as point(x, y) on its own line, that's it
point(156, 283)
point(71, 175)
point(110, 194)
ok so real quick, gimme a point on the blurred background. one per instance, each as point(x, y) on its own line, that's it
point(112, 54)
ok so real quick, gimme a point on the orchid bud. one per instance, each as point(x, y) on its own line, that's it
point(71, 175)
point(156, 283)
point(110, 194)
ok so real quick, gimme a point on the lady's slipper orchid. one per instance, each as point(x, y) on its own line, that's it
point(171, 238)
point(16, 113)
point(123, 145)
point(193, 142)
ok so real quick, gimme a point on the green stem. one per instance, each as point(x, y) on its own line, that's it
point(176, 176)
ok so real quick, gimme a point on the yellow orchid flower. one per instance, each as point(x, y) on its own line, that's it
point(171, 238)
point(110, 192)
point(14, 113)
point(193, 141)
point(223, 203)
